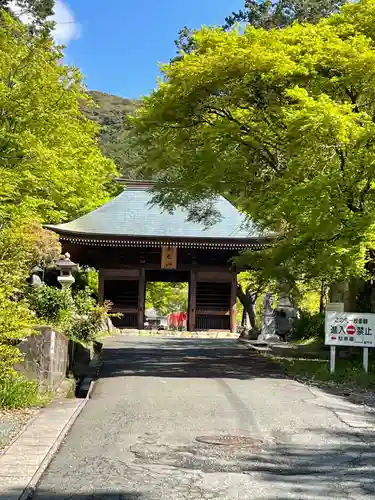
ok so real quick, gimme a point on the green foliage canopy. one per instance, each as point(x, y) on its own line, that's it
point(282, 122)
point(267, 14)
point(49, 157)
point(51, 167)
point(37, 10)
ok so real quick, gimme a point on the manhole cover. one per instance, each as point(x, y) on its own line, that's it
point(233, 441)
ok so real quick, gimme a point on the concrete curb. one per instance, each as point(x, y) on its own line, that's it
point(30, 488)
point(261, 348)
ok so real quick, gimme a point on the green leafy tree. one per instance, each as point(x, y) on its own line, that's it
point(23, 244)
point(282, 123)
point(50, 160)
point(38, 11)
point(167, 297)
point(51, 168)
point(267, 14)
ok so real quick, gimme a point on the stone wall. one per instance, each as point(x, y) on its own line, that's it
point(79, 359)
point(45, 357)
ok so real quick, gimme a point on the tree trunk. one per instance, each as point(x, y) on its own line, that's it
point(365, 296)
point(323, 291)
point(245, 321)
point(247, 305)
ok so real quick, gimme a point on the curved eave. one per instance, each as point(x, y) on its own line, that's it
point(157, 241)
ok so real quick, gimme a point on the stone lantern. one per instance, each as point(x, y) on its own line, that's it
point(66, 267)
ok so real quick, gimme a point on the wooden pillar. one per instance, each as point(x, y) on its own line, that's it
point(141, 299)
point(233, 300)
point(101, 287)
point(192, 300)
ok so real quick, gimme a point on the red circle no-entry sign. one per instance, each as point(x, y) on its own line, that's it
point(351, 330)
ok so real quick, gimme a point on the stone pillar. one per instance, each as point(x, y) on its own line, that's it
point(233, 301)
point(344, 293)
point(141, 299)
point(192, 300)
point(285, 316)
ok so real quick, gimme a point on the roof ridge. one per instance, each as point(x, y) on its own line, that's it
point(131, 184)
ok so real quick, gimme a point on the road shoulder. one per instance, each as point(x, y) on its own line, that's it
point(25, 460)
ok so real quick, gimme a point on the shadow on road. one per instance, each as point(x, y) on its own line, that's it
point(344, 468)
point(168, 357)
point(100, 495)
point(341, 467)
point(198, 358)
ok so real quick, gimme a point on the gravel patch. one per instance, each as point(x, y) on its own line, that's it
point(13, 422)
point(356, 395)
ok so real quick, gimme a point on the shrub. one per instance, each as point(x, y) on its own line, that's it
point(86, 278)
point(83, 301)
point(15, 320)
point(53, 305)
point(18, 392)
point(23, 244)
point(10, 355)
point(309, 326)
point(77, 316)
point(91, 321)
point(89, 318)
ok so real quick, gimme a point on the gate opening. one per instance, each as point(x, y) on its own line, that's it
point(166, 300)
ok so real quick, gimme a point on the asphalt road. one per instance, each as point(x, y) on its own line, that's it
point(153, 428)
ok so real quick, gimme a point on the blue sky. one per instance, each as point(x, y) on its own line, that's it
point(117, 44)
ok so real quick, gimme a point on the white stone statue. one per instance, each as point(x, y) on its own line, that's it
point(268, 328)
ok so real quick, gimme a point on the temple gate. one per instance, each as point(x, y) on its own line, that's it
point(131, 241)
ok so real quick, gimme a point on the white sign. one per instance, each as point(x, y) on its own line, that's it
point(350, 329)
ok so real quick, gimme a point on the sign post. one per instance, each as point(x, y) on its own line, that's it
point(332, 359)
point(365, 359)
point(349, 329)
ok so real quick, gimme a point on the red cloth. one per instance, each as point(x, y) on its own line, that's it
point(177, 319)
point(182, 319)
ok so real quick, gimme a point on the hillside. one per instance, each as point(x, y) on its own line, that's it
point(111, 114)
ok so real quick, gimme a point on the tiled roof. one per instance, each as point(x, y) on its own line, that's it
point(131, 214)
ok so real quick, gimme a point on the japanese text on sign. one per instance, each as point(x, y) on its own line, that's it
point(168, 257)
point(350, 329)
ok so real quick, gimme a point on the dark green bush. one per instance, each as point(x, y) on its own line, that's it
point(86, 278)
point(76, 315)
point(89, 318)
point(51, 304)
point(85, 328)
point(83, 301)
point(309, 326)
